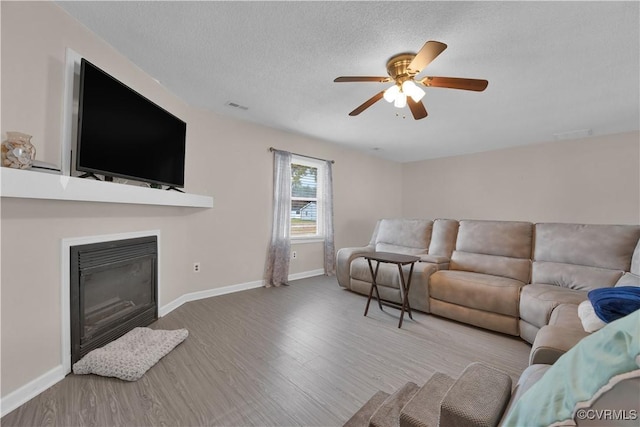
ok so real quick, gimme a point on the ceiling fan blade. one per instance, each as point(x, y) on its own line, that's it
point(417, 109)
point(455, 83)
point(368, 103)
point(362, 79)
point(428, 53)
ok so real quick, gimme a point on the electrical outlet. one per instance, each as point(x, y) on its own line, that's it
point(196, 267)
point(294, 255)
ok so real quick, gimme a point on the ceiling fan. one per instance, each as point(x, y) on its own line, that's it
point(403, 69)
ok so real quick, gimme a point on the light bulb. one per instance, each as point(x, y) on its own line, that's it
point(401, 100)
point(391, 93)
point(417, 94)
point(411, 89)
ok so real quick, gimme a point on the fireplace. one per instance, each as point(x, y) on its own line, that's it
point(113, 289)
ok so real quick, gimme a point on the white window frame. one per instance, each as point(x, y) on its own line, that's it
point(320, 165)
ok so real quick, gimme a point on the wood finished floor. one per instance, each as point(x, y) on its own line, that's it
point(298, 355)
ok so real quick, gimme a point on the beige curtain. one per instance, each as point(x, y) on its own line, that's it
point(329, 247)
point(277, 268)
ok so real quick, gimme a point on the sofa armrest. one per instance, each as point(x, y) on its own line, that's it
point(553, 341)
point(343, 263)
point(477, 399)
point(441, 262)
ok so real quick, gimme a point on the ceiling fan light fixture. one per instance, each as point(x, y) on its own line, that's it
point(403, 70)
point(391, 93)
point(411, 89)
point(401, 100)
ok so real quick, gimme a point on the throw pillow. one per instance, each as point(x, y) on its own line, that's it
point(590, 320)
point(579, 374)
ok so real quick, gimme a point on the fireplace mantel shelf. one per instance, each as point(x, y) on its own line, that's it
point(30, 184)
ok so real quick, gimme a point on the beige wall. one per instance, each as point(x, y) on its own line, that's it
point(593, 180)
point(226, 158)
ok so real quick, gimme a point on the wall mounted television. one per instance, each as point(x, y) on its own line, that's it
point(123, 134)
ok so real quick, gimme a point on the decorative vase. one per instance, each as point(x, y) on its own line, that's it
point(17, 151)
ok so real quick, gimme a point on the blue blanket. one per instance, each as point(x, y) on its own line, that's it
point(613, 303)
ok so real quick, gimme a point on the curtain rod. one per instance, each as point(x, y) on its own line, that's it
point(302, 155)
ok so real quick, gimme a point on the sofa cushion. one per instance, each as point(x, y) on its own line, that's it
point(387, 247)
point(412, 234)
point(389, 281)
point(512, 268)
point(499, 248)
point(475, 290)
point(571, 276)
point(481, 318)
point(537, 301)
point(604, 246)
point(501, 238)
point(566, 315)
point(387, 273)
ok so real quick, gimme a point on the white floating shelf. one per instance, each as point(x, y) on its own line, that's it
point(28, 184)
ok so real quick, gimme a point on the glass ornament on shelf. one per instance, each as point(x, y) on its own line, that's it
point(17, 151)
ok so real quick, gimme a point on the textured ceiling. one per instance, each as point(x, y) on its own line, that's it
point(552, 67)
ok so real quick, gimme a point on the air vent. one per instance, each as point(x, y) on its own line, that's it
point(235, 105)
point(574, 134)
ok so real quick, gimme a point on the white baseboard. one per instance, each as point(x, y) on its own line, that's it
point(30, 390)
point(305, 274)
point(194, 296)
point(48, 379)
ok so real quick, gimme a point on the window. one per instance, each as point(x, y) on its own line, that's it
point(306, 198)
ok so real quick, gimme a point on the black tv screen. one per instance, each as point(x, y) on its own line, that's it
point(123, 134)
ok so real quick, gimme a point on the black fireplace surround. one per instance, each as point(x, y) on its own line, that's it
point(114, 289)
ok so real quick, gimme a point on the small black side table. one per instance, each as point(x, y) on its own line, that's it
point(405, 285)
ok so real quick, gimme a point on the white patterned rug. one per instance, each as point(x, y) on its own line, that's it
point(131, 355)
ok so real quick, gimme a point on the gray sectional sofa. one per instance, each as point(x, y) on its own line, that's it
point(517, 278)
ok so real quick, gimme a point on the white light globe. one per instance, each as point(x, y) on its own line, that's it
point(391, 93)
point(401, 100)
point(411, 89)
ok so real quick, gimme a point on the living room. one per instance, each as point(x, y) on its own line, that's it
point(592, 180)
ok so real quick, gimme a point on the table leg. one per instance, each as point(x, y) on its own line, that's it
point(375, 280)
point(374, 275)
point(407, 292)
point(404, 293)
